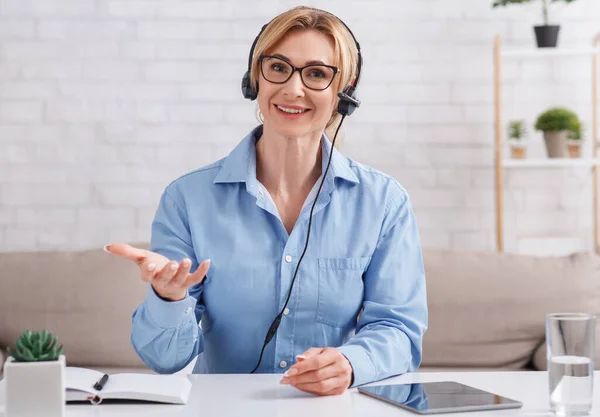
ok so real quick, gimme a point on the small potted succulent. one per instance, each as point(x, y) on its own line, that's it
point(575, 139)
point(546, 35)
point(517, 132)
point(557, 124)
point(34, 374)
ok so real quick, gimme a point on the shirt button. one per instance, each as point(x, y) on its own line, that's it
point(282, 364)
point(288, 258)
point(187, 310)
point(286, 311)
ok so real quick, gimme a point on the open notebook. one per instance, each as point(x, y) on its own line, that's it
point(174, 389)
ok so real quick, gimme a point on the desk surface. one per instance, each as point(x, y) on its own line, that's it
point(263, 396)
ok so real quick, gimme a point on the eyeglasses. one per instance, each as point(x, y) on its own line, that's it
point(278, 71)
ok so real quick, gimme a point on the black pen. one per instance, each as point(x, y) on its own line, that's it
point(100, 384)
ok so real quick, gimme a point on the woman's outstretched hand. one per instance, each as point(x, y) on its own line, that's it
point(169, 279)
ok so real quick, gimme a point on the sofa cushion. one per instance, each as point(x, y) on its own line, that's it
point(86, 298)
point(539, 357)
point(488, 309)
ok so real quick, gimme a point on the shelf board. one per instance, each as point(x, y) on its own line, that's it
point(550, 163)
point(549, 52)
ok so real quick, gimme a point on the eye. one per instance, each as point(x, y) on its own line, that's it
point(278, 67)
point(317, 73)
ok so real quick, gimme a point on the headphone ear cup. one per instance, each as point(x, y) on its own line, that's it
point(345, 106)
point(247, 89)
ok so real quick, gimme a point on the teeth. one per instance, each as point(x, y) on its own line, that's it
point(293, 111)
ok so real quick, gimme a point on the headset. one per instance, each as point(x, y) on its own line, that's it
point(348, 102)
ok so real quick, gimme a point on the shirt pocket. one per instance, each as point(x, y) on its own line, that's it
point(341, 290)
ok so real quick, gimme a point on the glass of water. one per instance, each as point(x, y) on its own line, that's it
point(570, 339)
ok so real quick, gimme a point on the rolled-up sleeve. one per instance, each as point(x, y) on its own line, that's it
point(388, 339)
point(165, 334)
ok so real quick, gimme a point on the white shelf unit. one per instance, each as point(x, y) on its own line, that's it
point(551, 163)
point(548, 52)
point(502, 163)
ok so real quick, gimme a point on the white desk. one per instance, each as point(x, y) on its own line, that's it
point(262, 396)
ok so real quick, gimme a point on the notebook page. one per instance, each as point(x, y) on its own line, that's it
point(81, 379)
point(173, 388)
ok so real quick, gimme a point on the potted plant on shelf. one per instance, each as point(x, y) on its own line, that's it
point(517, 132)
point(557, 124)
point(546, 35)
point(575, 139)
point(34, 375)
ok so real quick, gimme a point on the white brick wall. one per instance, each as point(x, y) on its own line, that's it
point(104, 102)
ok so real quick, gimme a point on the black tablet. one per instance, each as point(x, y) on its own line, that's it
point(439, 397)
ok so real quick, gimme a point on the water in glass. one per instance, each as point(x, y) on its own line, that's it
point(571, 385)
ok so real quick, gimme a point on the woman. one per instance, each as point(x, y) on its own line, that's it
point(230, 244)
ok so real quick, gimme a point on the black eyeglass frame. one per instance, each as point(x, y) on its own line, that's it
point(299, 69)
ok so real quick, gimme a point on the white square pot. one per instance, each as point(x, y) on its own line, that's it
point(35, 389)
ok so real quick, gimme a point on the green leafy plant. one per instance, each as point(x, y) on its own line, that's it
point(557, 119)
point(34, 346)
point(577, 131)
point(545, 5)
point(517, 129)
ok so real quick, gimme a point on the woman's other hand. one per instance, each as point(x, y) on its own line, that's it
point(320, 371)
point(169, 279)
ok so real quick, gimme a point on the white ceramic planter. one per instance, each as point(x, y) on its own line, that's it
point(35, 389)
point(556, 144)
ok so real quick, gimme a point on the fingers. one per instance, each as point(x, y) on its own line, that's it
point(198, 276)
point(330, 386)
point(310, 352)
point(127, 251)
point(181, 273)
point(177, 275)
point(166, 274)
point(150, 263)
point(150, 270)
point(317, 375)
point(315, 360)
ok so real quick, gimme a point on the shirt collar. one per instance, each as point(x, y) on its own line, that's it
point(240, 164)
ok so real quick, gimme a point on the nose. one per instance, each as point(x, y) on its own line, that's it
point(294, 86)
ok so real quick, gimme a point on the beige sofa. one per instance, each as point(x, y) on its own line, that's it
point(486, 310)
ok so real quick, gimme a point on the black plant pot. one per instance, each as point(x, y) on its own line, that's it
point(547, 36)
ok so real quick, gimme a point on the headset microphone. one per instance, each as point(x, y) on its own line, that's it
point(346, 97)
point(346, 106)
point(353, 102)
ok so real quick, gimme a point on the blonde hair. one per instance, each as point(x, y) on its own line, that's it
point(302, 17)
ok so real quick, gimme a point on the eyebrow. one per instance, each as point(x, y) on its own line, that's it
point(285, 58)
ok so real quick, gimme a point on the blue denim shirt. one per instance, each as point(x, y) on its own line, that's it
point(360, 287)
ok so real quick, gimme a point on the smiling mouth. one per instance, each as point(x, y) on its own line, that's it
point(290, 110)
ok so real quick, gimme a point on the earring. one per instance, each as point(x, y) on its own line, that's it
point(259, 114)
